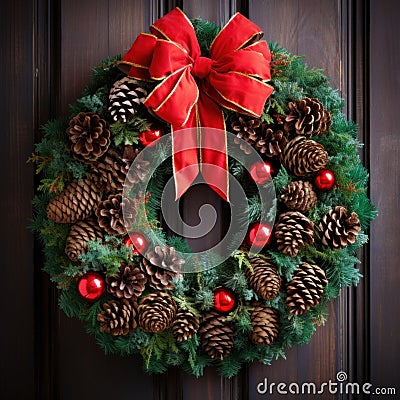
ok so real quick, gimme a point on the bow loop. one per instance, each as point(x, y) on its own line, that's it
point(192, 89)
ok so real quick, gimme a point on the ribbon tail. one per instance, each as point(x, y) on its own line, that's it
point(185, 156)
point(213, 146)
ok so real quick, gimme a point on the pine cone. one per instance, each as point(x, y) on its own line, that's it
point(157, 312)
point(339, 228)
point(264, 279)
point(246, 127)
point(77, 201)
point(308, 117)
point(125, 98)
point(79, 235)
point(302, 156)
point(116, 215)
point(271, 141)
point(305, 289)
point(185, 325)
point(89, 136)
point(129, 283)
point(299, 196)
point(292, 231)
point(161, 266)
point(138, 171)
point(216, 335)
point(265, 322)
point(118, 317)
point(112, 169)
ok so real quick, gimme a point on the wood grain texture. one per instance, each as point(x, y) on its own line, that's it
point(308, 28)
point(48, 49)
point(16, 243)
point(384, 59)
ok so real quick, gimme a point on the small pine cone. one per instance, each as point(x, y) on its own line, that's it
point(302, 156)
point(129, 283)
point(307, 117)
point(264, 279)
point(77, 201)
point(161, 266)
point(272, 141)
point(246, 128)
point(125, 98)
point(299, 196)
point(89, 136)
point(305, 289)
point(216, 335)
point(138, 172)
point(185, 325)
point(112, 168)
point(265, 322)
point(292, 231)
point(116, 215)
point(156, 312)
point(118, 317)
point(339, 228)
point(79, 235)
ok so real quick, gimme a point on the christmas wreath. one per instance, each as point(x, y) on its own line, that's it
point(115, 267)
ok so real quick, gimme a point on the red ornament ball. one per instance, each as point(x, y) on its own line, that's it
point(224, 300)
point(259, 235)
point(148, 137)
point(91, 286)
point(138, 243)
point(261, 172)
point(324, 180)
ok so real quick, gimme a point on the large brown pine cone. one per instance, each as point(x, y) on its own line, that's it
point(299, 196)
point(216, 335)
point(112, 168)
point(77, 201)
point(88, 136)
point(129, 283)
point(338, 228)
point(293, 231)
point(271, 141)
point(302, 156)
point(307, 117)
point(265, 322)
point(125, 98)
point(116, 215)
point(305, 289)
point(185, 325)
point(264, 279)
point(118, 317)
point(161, 265)
point(79, 235)
point(246, 128)
point(156, 312)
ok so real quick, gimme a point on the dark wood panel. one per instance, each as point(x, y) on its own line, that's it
point(310, 28)
point(47, 61)
point(216, 11)
point(17, 82)
point(385, 191)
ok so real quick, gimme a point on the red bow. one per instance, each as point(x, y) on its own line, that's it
point(193, 88)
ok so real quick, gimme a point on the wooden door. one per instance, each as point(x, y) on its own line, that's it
point(48, 49)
